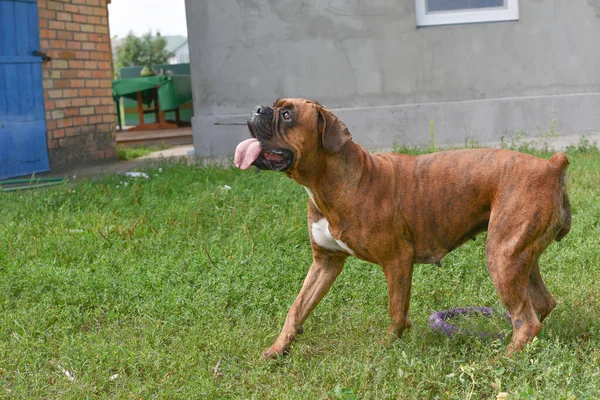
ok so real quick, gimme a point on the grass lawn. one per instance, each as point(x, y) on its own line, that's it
point(170, 287)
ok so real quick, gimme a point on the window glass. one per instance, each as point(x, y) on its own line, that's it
point(453, 5)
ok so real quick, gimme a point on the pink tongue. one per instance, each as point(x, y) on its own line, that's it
point(246, 152)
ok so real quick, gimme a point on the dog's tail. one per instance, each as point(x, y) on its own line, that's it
point(560, 162)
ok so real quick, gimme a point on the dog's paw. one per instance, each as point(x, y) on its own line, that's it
point(513, 348)
point(396, 331)
point(391, 336)
point(274, 352)
point(388, 340)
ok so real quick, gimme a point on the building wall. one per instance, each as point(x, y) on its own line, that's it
point(181, 55)
point(387, 78)
point(80, 111)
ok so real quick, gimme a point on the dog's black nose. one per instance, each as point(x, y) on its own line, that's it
point(262, 110)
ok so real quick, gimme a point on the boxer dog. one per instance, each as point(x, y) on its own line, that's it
point(396, 210)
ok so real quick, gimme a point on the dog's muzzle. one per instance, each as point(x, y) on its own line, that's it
point(260, 122)
point(257, 151)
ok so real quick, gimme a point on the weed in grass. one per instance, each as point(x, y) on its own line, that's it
point(432, 143)
point(129, 153)
point(514, 141)
point(170, 287)
point(585, 145)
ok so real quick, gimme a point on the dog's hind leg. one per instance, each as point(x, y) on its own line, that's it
point(511, 279)
point(542, 301)
point(325, 268)
point(513, 248)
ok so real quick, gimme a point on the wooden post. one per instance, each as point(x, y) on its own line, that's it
point(140, 105)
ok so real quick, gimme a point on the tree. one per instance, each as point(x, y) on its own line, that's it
point(145, 51)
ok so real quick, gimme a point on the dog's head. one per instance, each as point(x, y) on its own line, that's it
point(292, 134)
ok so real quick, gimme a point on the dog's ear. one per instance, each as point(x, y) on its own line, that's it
point(334, 132)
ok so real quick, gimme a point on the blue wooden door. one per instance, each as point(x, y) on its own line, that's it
point(23, 148)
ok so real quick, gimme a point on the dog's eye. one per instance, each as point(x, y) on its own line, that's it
point(286, 115)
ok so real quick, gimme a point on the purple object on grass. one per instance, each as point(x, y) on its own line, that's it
point(437, 321)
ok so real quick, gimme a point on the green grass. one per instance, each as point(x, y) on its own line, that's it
point(129, 153)
point(170, 287)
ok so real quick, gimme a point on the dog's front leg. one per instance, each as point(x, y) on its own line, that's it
point(398, 275)
point(325, 268)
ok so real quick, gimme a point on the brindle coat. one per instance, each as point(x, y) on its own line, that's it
point(396, 210)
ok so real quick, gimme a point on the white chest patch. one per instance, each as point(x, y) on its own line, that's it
point(322, 236)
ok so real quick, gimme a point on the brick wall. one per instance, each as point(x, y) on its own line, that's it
point(80, 111)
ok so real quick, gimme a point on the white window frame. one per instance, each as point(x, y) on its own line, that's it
point(508, 13)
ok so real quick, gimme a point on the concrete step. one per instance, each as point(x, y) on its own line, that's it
point(171, 137)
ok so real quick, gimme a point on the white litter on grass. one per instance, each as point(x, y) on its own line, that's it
point(137, 175)
point(113, 377)
point(69, 375)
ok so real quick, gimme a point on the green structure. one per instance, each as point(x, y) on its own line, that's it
point(172, 93)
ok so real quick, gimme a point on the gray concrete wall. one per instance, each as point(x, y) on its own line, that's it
point(386, 79)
